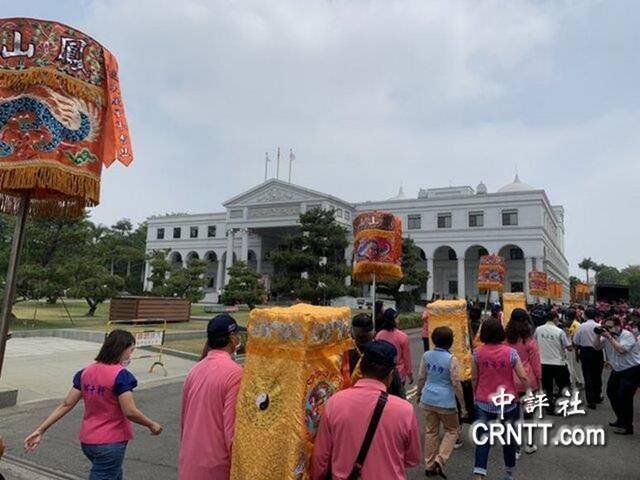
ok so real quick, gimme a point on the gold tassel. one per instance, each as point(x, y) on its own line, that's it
point(58, 191)
point(21, 79)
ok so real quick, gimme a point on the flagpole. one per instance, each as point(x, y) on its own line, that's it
point(290, 162)
point(10, 281)
point(266, 164)
point(278, 165)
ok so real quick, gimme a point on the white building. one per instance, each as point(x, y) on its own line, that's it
point(452, 227)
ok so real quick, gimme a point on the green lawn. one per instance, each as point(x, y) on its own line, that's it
point(55, 316)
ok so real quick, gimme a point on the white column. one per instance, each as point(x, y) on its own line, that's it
point(219, 273)
point(147, 285)
point(244, 253)
point(348, 253)
point(540, 264)
point(462, 293)
point(528, 267)
point(432, 275)
point(229, 262)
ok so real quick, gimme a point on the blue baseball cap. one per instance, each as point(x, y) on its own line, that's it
point(223, 325)
point(380, 352)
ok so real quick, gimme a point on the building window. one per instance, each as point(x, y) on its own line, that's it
point(509, 218)
point(414, 222)
point(444, 220)
point(160, 234)
point(211, 231)
point(236, 214)
point(476, 219)
point(452, 254)
point(193, 232)
point(347, 215)
point(482, 252)
point(516, 254)
point(177, 231)
point(339, 213)
point(453, 287)
point(517, 287)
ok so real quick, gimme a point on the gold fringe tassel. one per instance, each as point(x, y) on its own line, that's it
point(58, 192)
point(21, 79)
point(50, 207)
point(363, 271)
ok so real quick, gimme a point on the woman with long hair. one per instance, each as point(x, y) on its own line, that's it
point(106, 387)
point(392, 334)
point(520, 337)
point(493, 366)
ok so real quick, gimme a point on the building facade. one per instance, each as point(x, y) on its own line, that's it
point(452, 228)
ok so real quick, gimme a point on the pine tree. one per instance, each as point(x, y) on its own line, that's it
point(311, 265)
point(244, 286)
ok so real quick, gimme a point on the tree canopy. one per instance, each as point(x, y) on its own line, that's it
point(311, 265)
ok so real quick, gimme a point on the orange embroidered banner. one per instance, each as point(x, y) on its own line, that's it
point(61, 117)
point(377, 247)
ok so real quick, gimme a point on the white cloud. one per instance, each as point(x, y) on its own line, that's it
point(370, 94)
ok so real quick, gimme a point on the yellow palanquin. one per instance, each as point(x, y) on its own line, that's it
point(294, 364)
point(453, 314)
point(510, 302)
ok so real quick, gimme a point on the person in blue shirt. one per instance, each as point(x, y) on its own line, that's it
point(439, 384)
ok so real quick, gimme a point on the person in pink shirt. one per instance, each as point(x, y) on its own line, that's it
point(493, 367)
point(392, 334)
point(395, 444)
point(106, 387)
point(209, 405)
point(520, 337)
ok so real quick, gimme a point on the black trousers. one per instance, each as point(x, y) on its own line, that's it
point(558, 374)
point(592, 362)
point(425, 343)
point(621, 389)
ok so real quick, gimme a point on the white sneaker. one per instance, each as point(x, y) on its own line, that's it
point(518, 454)
point(458, 444)
point(529, 449)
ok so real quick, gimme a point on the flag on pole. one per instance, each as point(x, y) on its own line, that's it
point(267, 160)
point(278, 164)
point(292, 157)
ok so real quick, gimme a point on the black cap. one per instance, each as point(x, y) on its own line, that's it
point(223, 325)
point(389, 314)
point(380, 352)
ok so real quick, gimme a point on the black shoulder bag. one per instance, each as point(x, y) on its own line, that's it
point(368, 438)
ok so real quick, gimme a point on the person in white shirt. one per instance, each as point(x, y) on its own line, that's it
point(622, 350)
point(591, 358)
point(553, 344)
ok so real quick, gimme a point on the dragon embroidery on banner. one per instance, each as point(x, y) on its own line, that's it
point(45, 123)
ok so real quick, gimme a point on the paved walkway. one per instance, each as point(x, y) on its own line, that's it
point(43, 367)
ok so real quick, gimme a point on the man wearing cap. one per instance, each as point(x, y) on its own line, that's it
point(362, 332)
point(395, 445)
point(209, 405)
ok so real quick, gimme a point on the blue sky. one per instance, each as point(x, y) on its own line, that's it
point(372, 94)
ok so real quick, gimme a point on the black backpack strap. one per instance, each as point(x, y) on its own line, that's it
point(368, 438)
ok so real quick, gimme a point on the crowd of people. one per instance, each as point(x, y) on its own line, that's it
point(370, 430)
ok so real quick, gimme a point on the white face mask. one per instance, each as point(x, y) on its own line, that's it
point(238, 346)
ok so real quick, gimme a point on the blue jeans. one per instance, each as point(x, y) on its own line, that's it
point(106, 460)
point(508, 450)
